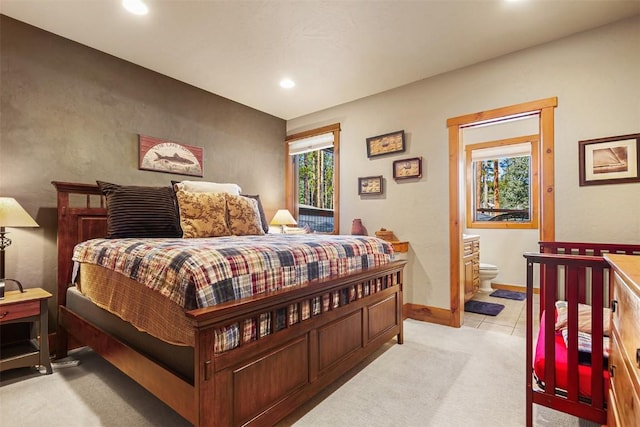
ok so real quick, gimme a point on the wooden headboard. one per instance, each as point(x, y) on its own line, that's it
point(82, 215)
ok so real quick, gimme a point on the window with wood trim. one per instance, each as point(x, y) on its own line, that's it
point(502, 183)
point(313, 178)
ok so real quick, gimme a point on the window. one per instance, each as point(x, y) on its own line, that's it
point(502, 183)
point(313, 177)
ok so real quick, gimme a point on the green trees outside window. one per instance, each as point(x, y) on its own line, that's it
point(315, 178)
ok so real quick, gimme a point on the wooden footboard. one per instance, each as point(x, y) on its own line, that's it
point(576, 273)
point(261, 380)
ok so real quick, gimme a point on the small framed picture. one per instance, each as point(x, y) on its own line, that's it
point(612, 160)
point(385, 144)
point(370, 185)
point(407, 168)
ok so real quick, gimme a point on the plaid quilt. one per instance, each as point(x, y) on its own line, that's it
point(198, 273)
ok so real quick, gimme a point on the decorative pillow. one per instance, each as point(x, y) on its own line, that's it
point(584, 318)
point(263, 217)
point(207, 187)
point(243, 216)
point(135, 211)
point(202, 214)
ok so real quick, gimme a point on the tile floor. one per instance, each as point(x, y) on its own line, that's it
point(511, 320)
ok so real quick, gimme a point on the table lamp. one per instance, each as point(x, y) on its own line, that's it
point(11, 215)
point(283, 217)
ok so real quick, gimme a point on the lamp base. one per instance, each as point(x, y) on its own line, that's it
point(3, 285)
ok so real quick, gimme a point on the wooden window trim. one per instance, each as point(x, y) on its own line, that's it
point(534, 140)
point(290, 188)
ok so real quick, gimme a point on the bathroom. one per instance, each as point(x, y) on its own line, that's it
point(503, 248)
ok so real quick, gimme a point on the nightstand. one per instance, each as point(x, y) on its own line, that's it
point(29, 306)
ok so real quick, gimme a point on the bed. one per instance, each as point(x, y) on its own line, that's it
point(567, 355)
point(247, 359)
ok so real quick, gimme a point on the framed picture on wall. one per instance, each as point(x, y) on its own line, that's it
point(385, 144)
point(612, 160)
point(161, 155)
point(370, 185)
point(407, 168)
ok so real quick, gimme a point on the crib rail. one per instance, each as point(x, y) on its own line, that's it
point(577, 278)
point(588, 249)
point(592, 249)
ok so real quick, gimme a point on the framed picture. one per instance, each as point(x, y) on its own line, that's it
point(407, 168)
point(385, 144)
point(612, 160)
point(171, 157)
point(370, 185)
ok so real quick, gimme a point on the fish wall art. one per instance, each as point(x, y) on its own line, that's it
point(171, 157)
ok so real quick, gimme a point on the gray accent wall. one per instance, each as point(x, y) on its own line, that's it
point(71, 113)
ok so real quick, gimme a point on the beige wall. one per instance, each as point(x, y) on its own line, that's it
point(71, 113)
point(595, 77)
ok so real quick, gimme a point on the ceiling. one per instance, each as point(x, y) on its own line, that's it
point(335, 51)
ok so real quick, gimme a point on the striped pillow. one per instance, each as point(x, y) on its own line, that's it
point(134, 211)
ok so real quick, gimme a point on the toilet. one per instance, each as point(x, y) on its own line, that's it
point(488, 272)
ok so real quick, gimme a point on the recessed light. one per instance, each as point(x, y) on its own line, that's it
point(137, 7)
point(287, 83)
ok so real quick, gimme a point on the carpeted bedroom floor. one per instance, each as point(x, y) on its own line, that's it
point(440, 377)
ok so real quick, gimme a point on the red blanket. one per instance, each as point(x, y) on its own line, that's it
point(561, 368)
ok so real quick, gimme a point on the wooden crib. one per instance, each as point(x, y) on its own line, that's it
point(559, 370)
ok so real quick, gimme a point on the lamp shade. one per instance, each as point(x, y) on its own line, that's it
point(14, 215)
point(283, 217)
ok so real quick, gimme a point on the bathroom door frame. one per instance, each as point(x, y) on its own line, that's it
point(544, 109)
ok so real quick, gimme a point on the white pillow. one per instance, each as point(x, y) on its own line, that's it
point(208, 187)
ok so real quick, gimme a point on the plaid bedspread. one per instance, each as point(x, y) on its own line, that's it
point(197, 273)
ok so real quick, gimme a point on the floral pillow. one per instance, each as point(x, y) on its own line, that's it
point(263, 217)
point(243, 216)
point(202, 214)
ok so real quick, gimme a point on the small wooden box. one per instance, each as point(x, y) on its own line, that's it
point(400, 246)
point(385, 235)
point(388, 235)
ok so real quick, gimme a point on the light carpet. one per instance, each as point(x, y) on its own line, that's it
point(440, 376)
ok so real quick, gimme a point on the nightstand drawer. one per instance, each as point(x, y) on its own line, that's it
point(18, 311)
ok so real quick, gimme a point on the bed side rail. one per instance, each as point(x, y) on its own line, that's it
point(570, 278)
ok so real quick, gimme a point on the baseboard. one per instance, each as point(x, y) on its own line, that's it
point(515, 288)
point(442, 316)
point(424, 313)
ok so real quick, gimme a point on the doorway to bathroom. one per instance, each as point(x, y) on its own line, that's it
point(535, 119)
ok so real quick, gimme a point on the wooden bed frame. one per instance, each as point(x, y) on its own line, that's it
point(259, 382)
point(578, 273)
